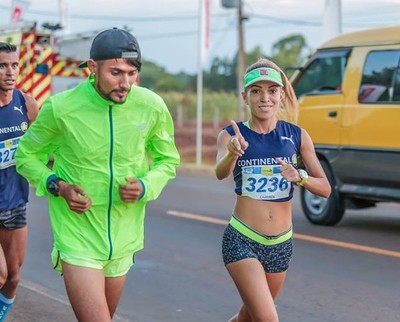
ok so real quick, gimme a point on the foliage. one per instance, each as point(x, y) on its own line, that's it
point(216, 105)
point(156, 78)
point(289, 52)
point(222, 75)
point(219, 82)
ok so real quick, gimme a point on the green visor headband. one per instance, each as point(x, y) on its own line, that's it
point(262, 74)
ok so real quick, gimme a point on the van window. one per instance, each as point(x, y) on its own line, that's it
point(323, 74)
point(381, 78)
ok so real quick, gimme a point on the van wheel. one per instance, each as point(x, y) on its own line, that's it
point(323, 211)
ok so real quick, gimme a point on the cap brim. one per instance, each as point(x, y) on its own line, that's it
point(262, 74)
point(263, 78)
point(83, 65)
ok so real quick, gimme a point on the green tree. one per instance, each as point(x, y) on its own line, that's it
point(254, 55)
point(156, 78)
point(221, 76)
point(289, 52)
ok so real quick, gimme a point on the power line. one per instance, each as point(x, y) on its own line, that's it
point(119, 18)
point(159, 18)
point(250, 25)
point(285, 20)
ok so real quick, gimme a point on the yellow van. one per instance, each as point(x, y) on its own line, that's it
point(349, 94)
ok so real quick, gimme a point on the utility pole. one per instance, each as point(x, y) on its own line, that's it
point(237, 4)
point(64, 17)
point(241, 62)
point(332, 25)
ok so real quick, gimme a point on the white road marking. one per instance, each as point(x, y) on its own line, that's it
point(319, 240)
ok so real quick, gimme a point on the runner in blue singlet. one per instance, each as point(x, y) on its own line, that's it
point(263, 155)
point(17, 111)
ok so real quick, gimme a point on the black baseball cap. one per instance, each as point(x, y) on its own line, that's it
point(115, 43)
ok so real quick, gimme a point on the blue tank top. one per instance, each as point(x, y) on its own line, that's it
point(257, 173)
point(14, 189)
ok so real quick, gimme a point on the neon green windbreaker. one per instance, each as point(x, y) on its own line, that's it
point(96, 144)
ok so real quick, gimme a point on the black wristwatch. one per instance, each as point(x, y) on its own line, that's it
point(53, 186)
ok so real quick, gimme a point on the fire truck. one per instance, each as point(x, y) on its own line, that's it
point(40, 64)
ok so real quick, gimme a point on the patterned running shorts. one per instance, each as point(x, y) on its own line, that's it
point(273, 252)
point(14, 218)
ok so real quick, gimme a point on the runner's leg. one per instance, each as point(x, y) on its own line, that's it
point(14, 248)
point(251, 282)
point(114, 287)
point(86, 292)
point(3, 268)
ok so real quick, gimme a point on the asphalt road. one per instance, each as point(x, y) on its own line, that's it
point(346, 273)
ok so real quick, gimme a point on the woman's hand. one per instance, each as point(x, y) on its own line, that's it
point(237, 144)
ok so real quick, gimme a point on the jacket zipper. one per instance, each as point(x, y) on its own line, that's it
point(110, 118)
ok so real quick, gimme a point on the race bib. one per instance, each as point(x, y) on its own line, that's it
point(7, 152)
point(264, 183)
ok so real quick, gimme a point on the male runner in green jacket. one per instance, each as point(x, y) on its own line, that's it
point(113, 148)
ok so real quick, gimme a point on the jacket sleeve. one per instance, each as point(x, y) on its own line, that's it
point(164, 154)
point(35, 147)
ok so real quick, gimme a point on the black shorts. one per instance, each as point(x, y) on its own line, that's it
point(14, 218)
point(274, 253)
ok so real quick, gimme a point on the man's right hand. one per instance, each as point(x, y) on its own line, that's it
point(76, 198)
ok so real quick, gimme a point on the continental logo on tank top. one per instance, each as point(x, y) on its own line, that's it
point(262, 161)
point(11, 129)
point(267, 161)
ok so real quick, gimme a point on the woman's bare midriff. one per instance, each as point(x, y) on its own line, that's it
point(269, 218)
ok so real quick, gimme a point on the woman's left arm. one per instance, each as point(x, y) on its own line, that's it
point(317, 182)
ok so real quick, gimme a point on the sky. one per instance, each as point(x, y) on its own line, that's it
point(167, 30)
